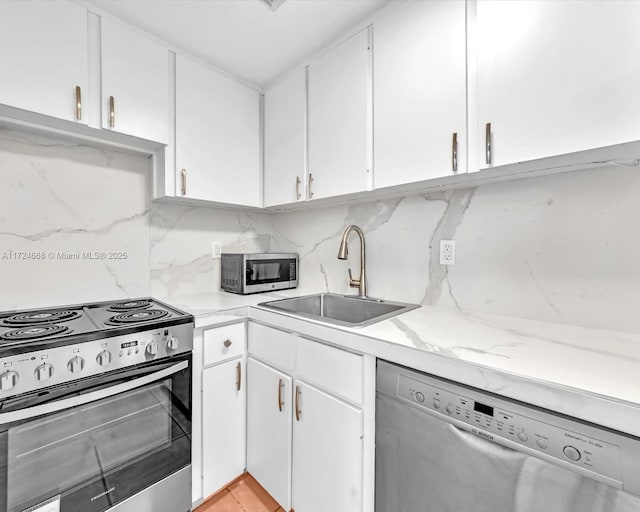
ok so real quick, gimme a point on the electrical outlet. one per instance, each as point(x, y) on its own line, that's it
point(447, 252)
point(216, 250)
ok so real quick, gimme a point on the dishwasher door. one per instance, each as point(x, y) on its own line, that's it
point(426, 464)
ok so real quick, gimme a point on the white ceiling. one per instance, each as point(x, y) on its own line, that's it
point(244, 37)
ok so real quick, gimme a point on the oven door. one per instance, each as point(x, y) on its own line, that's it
point(262, 274)
point(94, 443)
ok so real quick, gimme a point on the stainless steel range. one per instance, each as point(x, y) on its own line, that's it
point(95, 408)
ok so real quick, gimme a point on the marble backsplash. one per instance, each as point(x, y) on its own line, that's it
point(63, 206)
point(562, 248)
point(77, 224)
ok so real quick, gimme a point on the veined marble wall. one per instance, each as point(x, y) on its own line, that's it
point(181, 238)
point(563, 248)
point(73, 222)
point(77, 224)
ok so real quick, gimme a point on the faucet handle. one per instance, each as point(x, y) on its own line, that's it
point(354, 283)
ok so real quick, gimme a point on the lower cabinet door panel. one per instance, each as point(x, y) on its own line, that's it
point(327, 453)
point(269, 430)
point(223, 425)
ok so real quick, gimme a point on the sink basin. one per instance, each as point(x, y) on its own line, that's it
point(338, 309)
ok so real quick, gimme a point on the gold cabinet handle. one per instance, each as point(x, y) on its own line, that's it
point(454, 152)
point(280, 402)
point(112, 112)
point(487, 142)
point(227, 343)
point(184, 182)
point(310, 182)
point(78, 103)
point(298, 181)
point(298, 412)
point(238, 376)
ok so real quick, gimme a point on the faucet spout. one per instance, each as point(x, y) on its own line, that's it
point(343, 253)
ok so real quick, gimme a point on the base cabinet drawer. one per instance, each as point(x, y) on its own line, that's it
point(222, 343)
point(335, 370)
point(272, 345)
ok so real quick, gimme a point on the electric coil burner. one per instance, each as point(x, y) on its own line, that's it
point(95, 408)
point(40, 317)
point(131, 304)
point(34, 332)
point(136, 316)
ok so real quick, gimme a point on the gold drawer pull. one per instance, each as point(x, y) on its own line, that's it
point(280, 402)
point(298, 412)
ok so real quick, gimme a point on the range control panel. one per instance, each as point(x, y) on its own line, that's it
point(497, 420)
point(57, 365)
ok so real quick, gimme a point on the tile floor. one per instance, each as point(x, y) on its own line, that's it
point(242, 495)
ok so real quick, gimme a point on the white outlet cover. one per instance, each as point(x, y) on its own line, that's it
point(216, 250)
point(447, 252)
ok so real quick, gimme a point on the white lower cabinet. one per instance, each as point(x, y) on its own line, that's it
point(269, 430)
point(223, 425)
point(305, 443)
point(223, 387)
point(327, 453)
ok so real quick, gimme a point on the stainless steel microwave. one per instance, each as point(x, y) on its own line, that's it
point(261, 272)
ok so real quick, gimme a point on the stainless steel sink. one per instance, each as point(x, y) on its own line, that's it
point(338, 309)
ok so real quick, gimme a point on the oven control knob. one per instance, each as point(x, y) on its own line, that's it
point(571, 453)
point(76, 364)
point(173, 343)
point(44, 372)
point(104, 358)
point(152, 348)
point(8, 380)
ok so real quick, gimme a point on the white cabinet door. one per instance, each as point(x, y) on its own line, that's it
point(284, 140)
point(327, 453)
point(269, 430)
point(135, 73)
point(43, 51)
point(339, 121)
point(419, 92)
point(556, 77)
point(217, 136)
point(223, 425)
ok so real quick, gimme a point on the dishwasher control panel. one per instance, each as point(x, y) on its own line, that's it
point(552, 437)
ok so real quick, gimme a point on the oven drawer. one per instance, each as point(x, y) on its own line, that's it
point(222, 343)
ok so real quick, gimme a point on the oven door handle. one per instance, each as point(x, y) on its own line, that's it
point(93, 396)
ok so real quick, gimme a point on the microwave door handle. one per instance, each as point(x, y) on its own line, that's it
point(66, 403)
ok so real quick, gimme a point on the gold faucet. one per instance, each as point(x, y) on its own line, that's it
point(343, 252)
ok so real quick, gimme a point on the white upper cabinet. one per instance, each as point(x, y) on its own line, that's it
point(419, 92)
point(284, 140)
point(556, 77)
point(217, 137)
point(135, 83)
point(339, 123)
point(43, 51)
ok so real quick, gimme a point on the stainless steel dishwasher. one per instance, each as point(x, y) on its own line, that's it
point(444, 447)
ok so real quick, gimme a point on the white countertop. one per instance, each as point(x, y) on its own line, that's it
point(588, 373)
